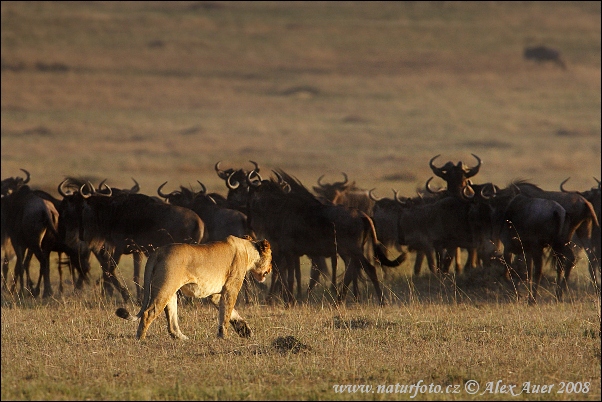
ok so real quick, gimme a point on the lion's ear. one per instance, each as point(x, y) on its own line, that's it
point(264, 245)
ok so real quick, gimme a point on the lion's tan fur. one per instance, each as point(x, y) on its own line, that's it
point(214, 270)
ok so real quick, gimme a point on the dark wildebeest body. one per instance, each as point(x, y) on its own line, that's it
point(300, 224)
point(529, 226)
point(127, 223)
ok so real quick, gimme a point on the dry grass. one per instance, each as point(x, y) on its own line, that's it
point(162, 91)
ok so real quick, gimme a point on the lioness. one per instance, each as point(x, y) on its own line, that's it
point(215, 270)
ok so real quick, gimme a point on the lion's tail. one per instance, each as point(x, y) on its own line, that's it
point(122, 312)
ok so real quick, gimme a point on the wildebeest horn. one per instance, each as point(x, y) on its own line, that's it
point(396, 195)
point(372, 196)
point(106, 193)
point(204, 190)
point(211, 199)
point(471, 172)
point(161, 194)
point(87, 194)
point(468, 192)
point(136, 187)
point(230, 185)
point(256, 166)
point(62, 191)
point(488, 195)
point(435, 169)
point(254, 179)
point(428, 187)
point(598, 181)
point(320, 184)
point(222, 174)
point(342, 183)
point(28, 177)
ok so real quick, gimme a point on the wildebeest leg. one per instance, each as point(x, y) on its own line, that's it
point(19, 269)
point(445, 258)
point(291, 263)
point(109, 280)
point(351, 271)
point(137, 255)
point(298, 277)
point(334, 260)
point(432, 263)
point(317, 269)
point(238, 323)
point(371, 272)
point(565, 265)
point(44, 260)
point(534, 267)
point(418, 262)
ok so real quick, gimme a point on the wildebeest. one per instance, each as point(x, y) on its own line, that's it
point(345, 193)
point(593, 196)
point(296, 223)
point(456, 176)
point(529, 226)
point(113, 225)
point(542, 54)
point(581, 219)
point(30, 221)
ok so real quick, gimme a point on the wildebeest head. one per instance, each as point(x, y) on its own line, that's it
point(237, 183)
point(11, 184)
point(331, 190)
point(457, 175)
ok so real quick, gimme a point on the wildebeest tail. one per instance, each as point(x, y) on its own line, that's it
point(379, 248)
point(123, 313)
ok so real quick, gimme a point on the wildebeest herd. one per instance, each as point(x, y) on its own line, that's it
point(516, 225)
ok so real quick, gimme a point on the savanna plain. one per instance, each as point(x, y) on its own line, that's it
point(161, 91)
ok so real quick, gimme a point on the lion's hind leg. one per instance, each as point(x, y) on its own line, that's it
point(171, 313)
point(157, 304)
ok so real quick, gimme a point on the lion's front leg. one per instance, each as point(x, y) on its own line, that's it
point(239, 324)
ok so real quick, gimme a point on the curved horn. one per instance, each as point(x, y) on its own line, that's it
point(255, 182)
point(488, 195)
point(28, 177)
point(342, 183)
point(372, 196)
point(434, 168)
point(471, 172)
point(279, 176)
point(62, 191)
point(428, 187)
point(106, 193)
point(256, 166)
point(232, 186)
point(86, 194)
point(468, 192)
point(204, 189)
point(222, 174)
point(319, 183)
point(399, 200)
point(161, 194)
point(136, 187)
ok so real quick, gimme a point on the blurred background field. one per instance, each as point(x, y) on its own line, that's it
point(162, 91)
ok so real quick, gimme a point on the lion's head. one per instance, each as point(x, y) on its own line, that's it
point(263, 266)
